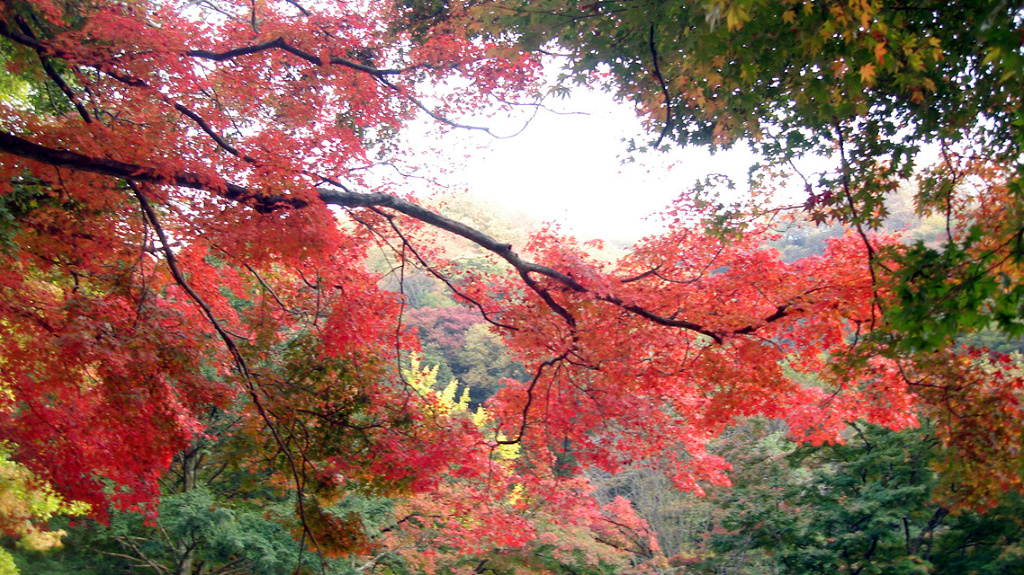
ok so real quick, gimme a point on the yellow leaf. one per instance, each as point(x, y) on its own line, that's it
point(992, 55)
point(788, 16)
point(7, 566)
point(735, 17)
point(867, 74)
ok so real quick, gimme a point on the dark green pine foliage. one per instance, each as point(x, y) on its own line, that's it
point(219, 514)
point(197, 532)
point(864, 507)
point(988, 544)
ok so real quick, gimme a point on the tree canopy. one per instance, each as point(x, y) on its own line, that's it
point(187, 201)
point(887, 91)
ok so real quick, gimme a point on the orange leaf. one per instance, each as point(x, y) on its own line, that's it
point(880, 52)
point(867, 74)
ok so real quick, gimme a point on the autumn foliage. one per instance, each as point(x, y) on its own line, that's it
point(167, 250)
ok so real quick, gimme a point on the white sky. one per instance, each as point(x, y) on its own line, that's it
point(567, 167)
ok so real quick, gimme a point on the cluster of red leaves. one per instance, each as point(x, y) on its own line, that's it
point(794, 341)
point(170, 253)
point(621, 388)
point(495, 507)
point(122, 327)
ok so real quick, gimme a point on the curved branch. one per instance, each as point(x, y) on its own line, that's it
point(873, 259)
point(447, 121)
point(380, 74)
point(216, 137)
point(21, 38)
point(17, 146)
point(552, 362)
point(265, 203)
point(448, 282)
point(29, 39)
point(664, 89)
point(281, 44)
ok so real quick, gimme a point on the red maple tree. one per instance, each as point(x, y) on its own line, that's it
point(167, 172)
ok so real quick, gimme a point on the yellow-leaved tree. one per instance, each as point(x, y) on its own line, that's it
point(26, 504)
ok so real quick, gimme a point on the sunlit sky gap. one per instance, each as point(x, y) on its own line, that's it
point(568, 167)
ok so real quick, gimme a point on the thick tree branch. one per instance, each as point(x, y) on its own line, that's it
point(448, 282)
point(17, 146)
point(266, 203)
point(282, 44)
point(664, 89)
point(21, 38)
